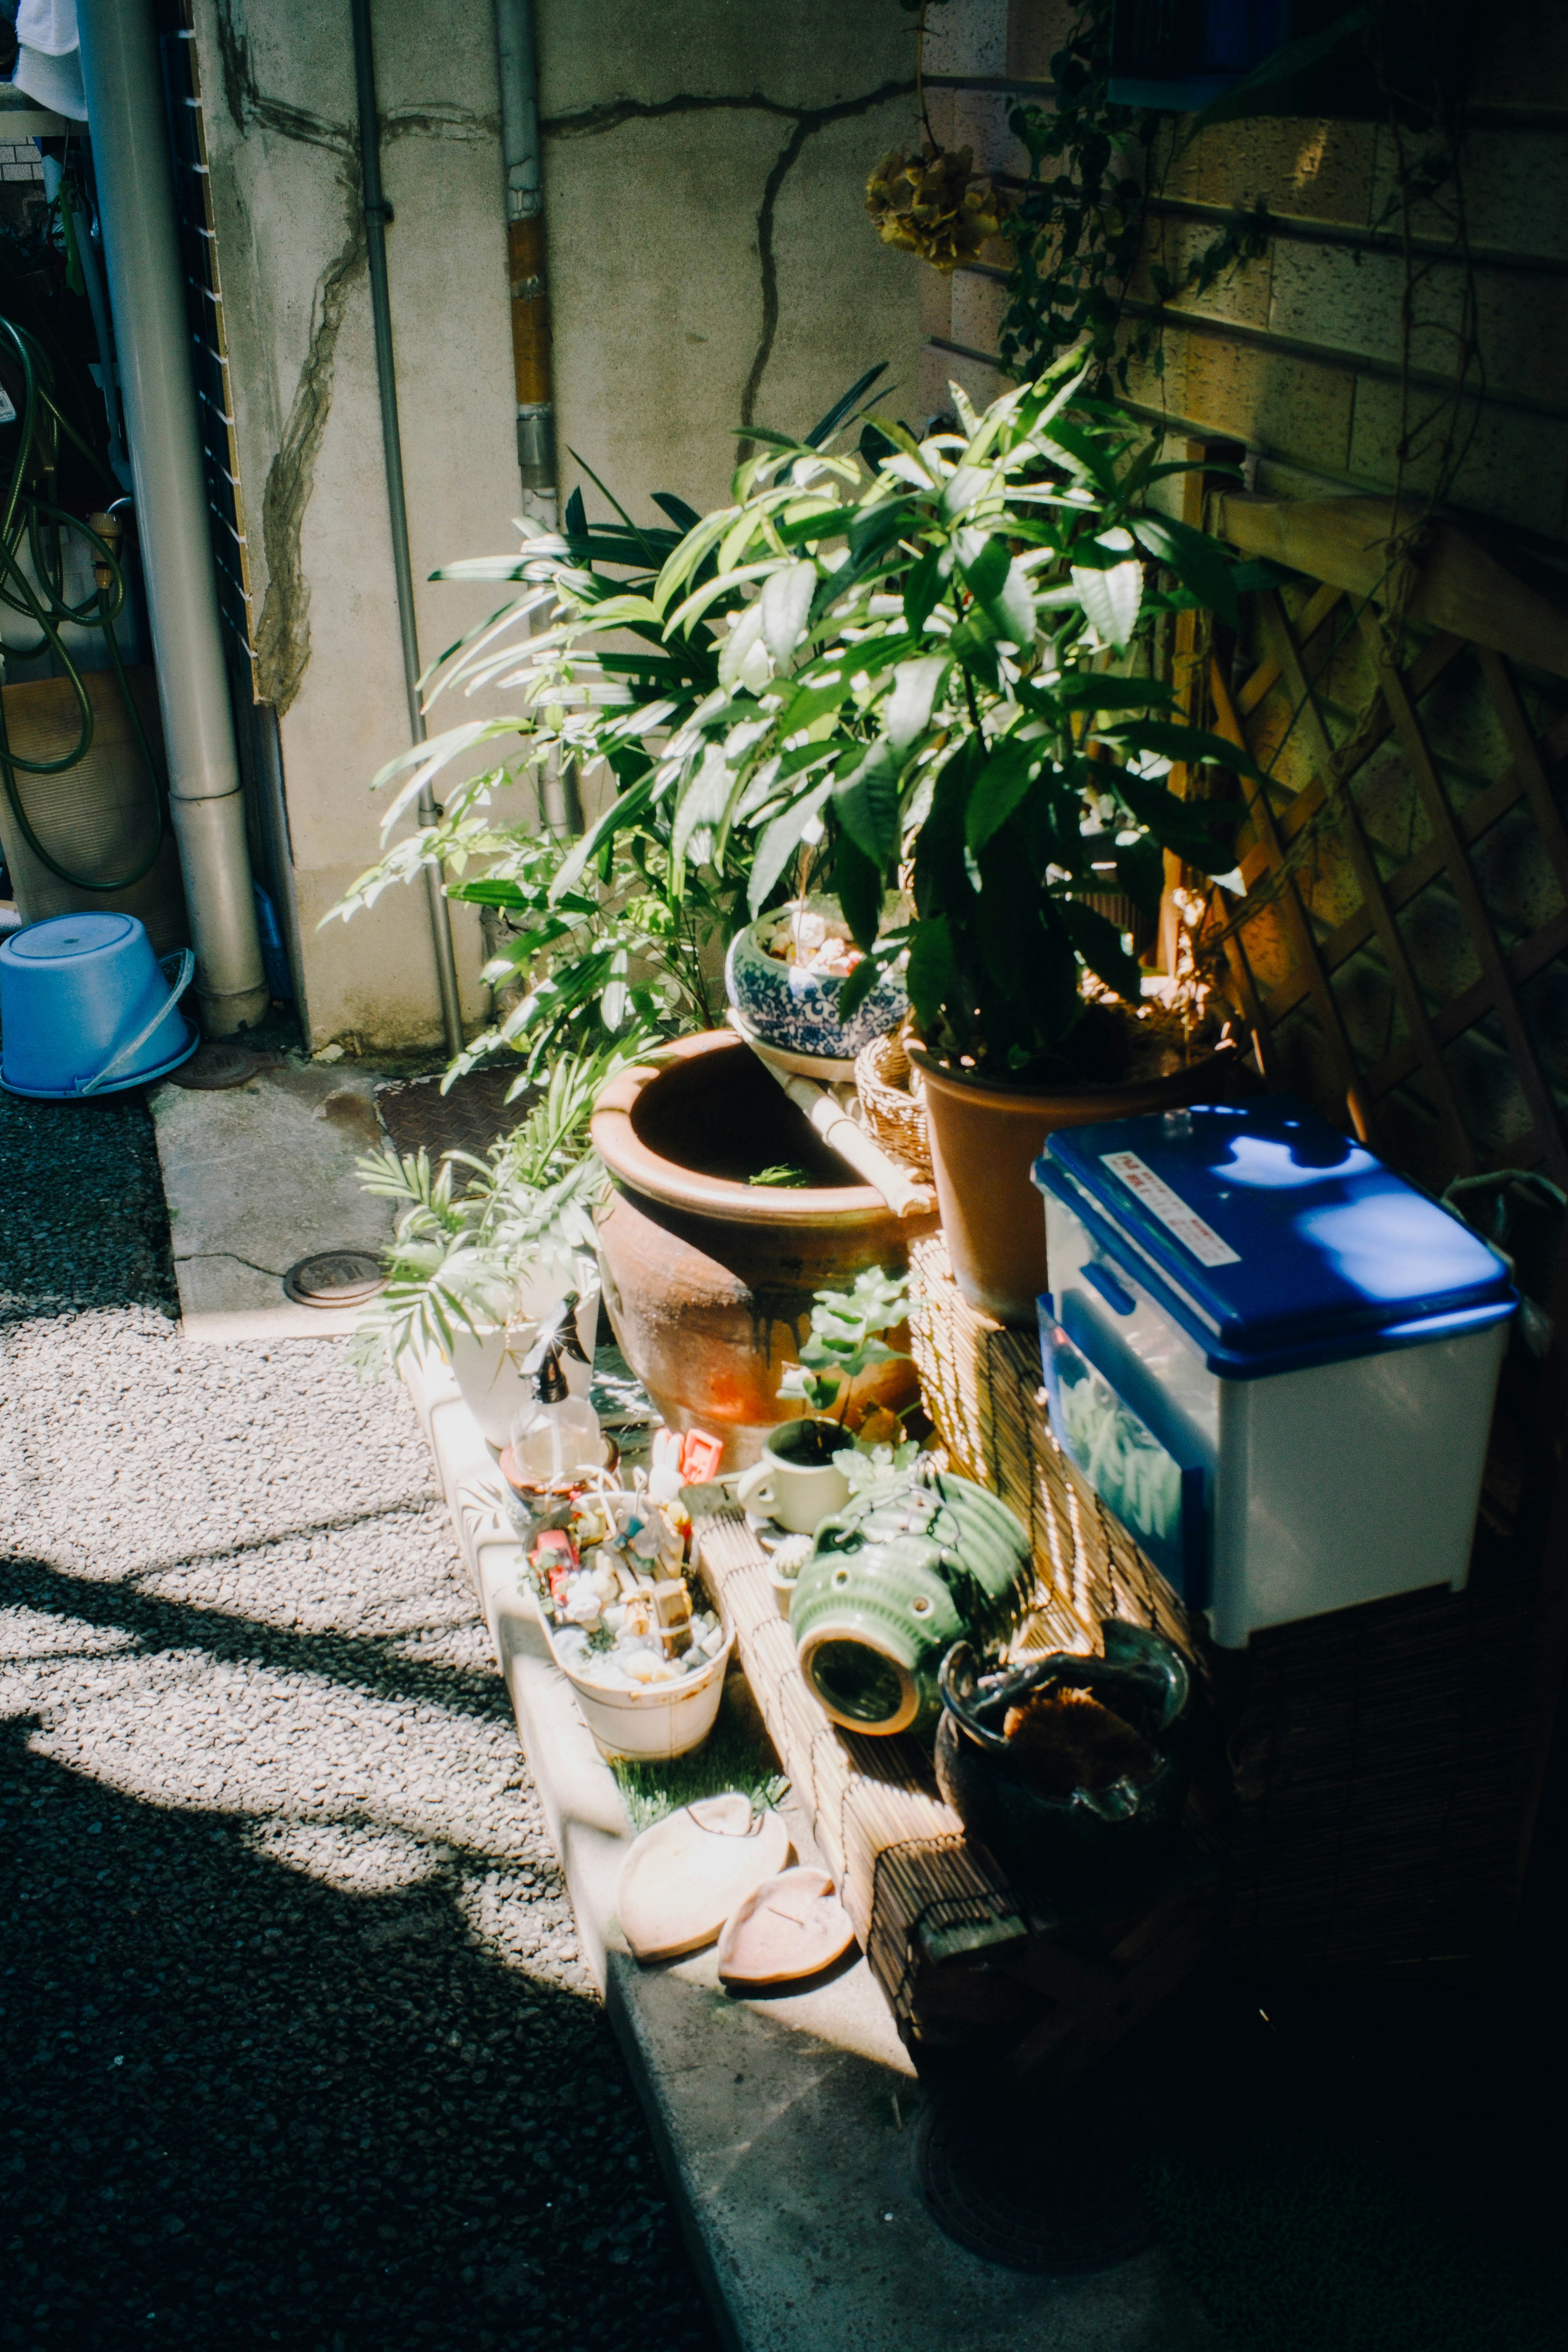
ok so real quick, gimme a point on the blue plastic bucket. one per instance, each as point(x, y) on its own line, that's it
point(87, 1008)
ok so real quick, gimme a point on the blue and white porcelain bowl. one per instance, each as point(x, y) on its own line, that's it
point(795, 1008)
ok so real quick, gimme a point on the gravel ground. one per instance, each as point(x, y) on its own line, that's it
point(299, 2045)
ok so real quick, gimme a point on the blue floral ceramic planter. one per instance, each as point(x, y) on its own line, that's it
point(796, 1009)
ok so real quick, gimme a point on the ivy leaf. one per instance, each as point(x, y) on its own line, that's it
point(1112, 599)
point(1098, 943)
point(867, 802)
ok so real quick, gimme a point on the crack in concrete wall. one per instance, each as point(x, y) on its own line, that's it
point(283, 631)
point(283, 628)
point(593, 122)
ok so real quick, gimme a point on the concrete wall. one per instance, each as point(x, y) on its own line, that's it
point(710, 263)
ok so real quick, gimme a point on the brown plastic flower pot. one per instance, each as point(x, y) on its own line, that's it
point(708, 1279)
point(986, 1139)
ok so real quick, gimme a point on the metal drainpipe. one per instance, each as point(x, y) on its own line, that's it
point(515, 54)
point(124, 88)
point(377, 213)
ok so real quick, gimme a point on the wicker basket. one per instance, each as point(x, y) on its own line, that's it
point(895, 1115)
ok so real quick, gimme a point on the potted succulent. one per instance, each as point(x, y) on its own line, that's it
point(941, 663)
point(474, 1266)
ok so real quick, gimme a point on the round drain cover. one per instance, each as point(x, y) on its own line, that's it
point(340, 1278)
point(1032, 2189)
point(216, 1063)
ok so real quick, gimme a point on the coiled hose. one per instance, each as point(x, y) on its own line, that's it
point(27, 519)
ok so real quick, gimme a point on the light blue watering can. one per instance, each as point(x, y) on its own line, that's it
point(87, 1008)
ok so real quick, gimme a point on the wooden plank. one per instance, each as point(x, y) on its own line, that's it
point(1456, 586)
point(1474, 819)
point(1267, 674)
point(1370, 882)
point(1524, 755)
point(1427, 669)
point(1477, 920)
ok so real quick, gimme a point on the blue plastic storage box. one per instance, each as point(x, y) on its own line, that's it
point(1273, 1358)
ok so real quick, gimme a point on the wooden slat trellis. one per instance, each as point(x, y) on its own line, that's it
point(1337, 910)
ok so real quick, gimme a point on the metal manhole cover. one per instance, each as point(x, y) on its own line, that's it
point(340, 1278)
point(1034, 2188)
point(219, 1062)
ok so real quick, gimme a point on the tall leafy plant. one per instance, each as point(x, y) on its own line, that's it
point(935, 662)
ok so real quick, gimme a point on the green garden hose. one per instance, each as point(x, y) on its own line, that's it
point(27, 518)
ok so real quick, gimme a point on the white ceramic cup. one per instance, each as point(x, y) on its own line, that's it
point(797, 1496)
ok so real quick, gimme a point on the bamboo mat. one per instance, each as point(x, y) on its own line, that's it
point(920, 1898)
point(981, 1385)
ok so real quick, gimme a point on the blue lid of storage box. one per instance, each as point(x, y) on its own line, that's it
point(1273, 1229)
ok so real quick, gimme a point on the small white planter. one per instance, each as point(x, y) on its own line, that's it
point(656, 1719)
point(489, 1370)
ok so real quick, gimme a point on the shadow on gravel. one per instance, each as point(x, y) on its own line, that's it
point(380, 1665)
point(243, 2107)
point(85, 1223)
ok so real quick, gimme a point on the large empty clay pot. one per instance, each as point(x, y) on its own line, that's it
point(986, 1139)
point(708, 1279)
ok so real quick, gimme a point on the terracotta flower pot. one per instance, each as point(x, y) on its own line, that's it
point(984, 1140)
point(708, 1279)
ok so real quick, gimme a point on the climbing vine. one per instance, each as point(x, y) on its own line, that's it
point(1078, 232)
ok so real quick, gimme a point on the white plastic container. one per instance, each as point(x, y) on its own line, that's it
point(488, 1369)
point(654, 1719)
point(1273, 1358)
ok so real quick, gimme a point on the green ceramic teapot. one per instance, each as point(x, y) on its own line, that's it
point(916, 1562)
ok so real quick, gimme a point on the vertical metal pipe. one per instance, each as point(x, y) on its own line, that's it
point(136, 210)
point(525, 244)
point(559, 806)
point(377, 213)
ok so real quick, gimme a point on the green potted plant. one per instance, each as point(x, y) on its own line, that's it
point(474, 1266)
point(939, 663)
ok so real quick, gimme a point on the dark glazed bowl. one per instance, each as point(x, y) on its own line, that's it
point(1141, 1677)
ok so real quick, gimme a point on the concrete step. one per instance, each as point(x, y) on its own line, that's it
point(785, 2124)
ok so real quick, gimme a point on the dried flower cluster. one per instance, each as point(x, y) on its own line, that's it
point(934, 204)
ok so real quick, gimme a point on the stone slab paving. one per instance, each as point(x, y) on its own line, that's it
point(258, 1177)
point(299, 2044)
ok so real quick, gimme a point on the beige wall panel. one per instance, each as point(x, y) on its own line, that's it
point(939, 368)
point(1036, 29)
point(1289, 408)
point(965, 37)
point(1322, 170)
point(1516, 467)
point(978, 304)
